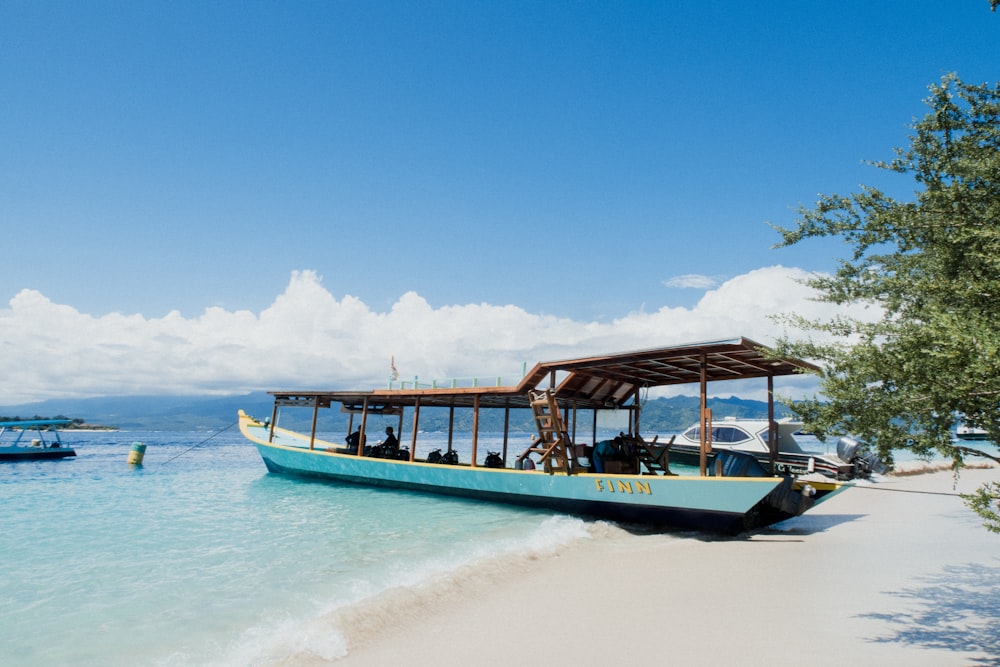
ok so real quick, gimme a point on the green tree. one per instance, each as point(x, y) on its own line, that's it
point(927, 272)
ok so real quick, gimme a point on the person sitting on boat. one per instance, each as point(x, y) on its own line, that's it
point(605, 450)
point(390, 443)
point(353, 440)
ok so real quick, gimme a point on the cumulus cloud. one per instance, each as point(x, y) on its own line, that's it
point(310, 339)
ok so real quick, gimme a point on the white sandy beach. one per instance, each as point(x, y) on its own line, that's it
point(899, 572)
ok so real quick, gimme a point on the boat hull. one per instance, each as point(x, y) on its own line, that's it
point(972, 434)
point(35, 453)
point(717, 504)
point(788, 464)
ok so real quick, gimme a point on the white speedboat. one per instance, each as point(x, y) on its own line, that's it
point(966, 432)
point(851, 461)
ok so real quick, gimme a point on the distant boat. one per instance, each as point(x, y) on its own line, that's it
point(966, 432)
point(36, 439)
point(633, 482)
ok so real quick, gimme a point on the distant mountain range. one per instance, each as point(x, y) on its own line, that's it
point(148, 413)
point(198, 413)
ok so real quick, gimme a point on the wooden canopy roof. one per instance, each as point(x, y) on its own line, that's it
point(588, 382)
point(610, 380)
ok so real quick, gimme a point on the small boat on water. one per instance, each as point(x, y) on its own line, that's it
point(852, 460)
point(42, 441)
point(966, 432)
point(628, 478)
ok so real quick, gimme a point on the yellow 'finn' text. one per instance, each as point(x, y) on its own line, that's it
point(618, 486)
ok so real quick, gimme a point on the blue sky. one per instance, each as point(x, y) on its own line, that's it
point(575, 160)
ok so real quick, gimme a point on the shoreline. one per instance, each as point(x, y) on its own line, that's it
point(889, 573)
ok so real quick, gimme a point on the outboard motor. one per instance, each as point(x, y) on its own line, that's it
point(865, 463)
point(871, 463)
point(847, 448)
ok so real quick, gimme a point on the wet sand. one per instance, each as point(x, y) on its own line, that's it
point(899, 572)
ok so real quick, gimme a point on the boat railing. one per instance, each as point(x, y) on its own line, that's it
point(509, 380)
point(45, 431)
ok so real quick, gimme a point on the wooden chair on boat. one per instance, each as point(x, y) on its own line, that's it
point(655, 457)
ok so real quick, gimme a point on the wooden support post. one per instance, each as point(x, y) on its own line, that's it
point(274, 420)
point(364, 427)
point(706, 428)
point(506, 431)
point(451, 425)
point(475, 428)
point(772, 432)
point(312, 433)
point(573, 432)
point(638, 409)
point(413, 437)
point(703, 391)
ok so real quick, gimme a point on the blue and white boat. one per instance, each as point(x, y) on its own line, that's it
point(35, 439)
point(852, 459)
point(966, 432)
point(633, 481)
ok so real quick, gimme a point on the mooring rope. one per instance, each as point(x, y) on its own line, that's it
point(927, 493)
point(200, 443)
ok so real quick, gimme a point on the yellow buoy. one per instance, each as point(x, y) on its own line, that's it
point(136, 454)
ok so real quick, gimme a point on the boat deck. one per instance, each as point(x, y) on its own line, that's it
point(563, 468)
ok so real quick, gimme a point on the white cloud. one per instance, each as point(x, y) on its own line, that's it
point(692, 281)
point(309, 339)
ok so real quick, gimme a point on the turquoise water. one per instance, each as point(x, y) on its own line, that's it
point(200, 557)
